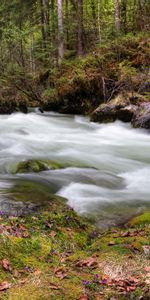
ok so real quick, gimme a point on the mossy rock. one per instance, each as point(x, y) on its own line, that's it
point(35, 166)
point(28, 197)
point(140, 220)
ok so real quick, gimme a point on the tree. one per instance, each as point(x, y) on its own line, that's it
point(80, 27)
point(117, 16)
point(60, 32)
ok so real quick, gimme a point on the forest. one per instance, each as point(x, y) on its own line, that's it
point(75, 149)
point(55, 51)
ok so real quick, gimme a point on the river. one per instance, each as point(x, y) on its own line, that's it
point(108, 165)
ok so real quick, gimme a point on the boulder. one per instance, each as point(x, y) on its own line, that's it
point(126, 113)
point(141, 118)
point(35, 166)
point(119, 108)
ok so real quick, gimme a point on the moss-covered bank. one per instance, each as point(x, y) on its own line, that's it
point(57, 255)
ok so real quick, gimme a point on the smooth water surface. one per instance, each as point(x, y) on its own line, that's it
point(109, 174)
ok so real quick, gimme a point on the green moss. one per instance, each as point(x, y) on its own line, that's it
point(59, 239)
point(35, 166)
point(140, 220)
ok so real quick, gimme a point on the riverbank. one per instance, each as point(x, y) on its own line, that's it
point(55, 254)
point(82, 85)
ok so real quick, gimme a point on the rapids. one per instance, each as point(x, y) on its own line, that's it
point(109, 175)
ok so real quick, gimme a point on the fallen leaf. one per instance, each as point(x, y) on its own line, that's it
point(125, 234)
point(34, 218)
point(134, 279)
point(90, 262)
point(16, 274)
point(25, 234)
point(22, 281)
point(54, 286)
point(111, 243)
point(146, 249)
point(60, 273)
point(4, 286)
point(48, 224)
point(63, 260)
point(147, 281)
point(53, 233)
point(6, 265)
point(147, 269)
point(131, 288)
point(22, 227)
point(37, 272)
point(84, 297)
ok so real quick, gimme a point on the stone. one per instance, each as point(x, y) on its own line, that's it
point(126, 113)
point(141, 118)
point(36, 166)
point(118, 108)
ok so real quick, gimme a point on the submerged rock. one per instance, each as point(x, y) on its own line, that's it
point(27, 197)
point(35, 166)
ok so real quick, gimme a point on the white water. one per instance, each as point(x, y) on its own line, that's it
point(116, 183)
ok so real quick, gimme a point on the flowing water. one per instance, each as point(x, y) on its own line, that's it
point(108, 165)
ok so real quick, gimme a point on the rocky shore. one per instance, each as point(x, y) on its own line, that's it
point(126, 108)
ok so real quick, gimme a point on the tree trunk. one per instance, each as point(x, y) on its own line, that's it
point(32, 62)
point(117, 16)
point(45, 26)
point(52, 18)
point(94, 17)
point(43, 23)
point(99, 17)
point(67, 23)
point(60, 32)
point(141, 15)
point(124, 16)
point(80, 27)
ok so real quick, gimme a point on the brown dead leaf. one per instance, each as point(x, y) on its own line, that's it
point(22, 227)
point(16, 274)
point(48, 224)
point(6, 265)
point(63, 259)
point(83, 297)
point(147, 269)
point(60, 273)
point(111, 243)
point(147, 281)
point(4, 286)
point(53, 233)
point(26, 234)
point(146, 249)
point(34, 218)
point(90, 262)
point(22, 281)
point(125, 234)
point(37, 272)
point(54, 286)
